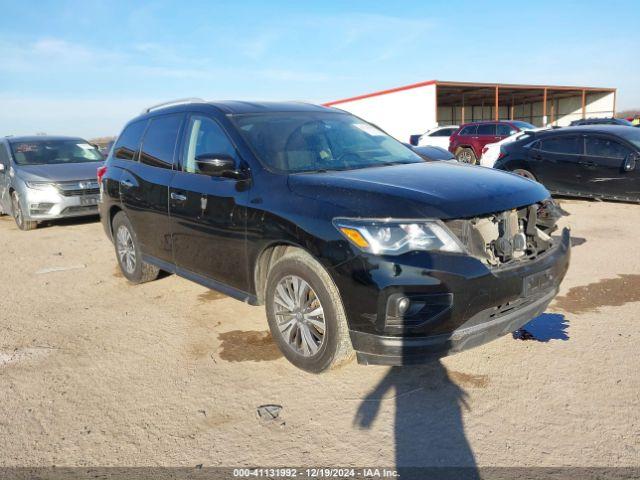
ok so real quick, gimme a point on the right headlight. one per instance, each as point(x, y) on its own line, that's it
point(395, 237)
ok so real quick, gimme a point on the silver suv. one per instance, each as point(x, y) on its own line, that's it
point(46, 178)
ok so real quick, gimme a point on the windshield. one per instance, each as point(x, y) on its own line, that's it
point(633, 136)
point(316, 141)
point(523, 125)
point(50, 152)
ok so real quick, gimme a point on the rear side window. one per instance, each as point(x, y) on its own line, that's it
point(126, 148)
point(468, 130)
point(566, 145)
point(605, 147)
point(159, 144)
point(487, 129)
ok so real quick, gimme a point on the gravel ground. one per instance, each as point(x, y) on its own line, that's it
point(95, 372)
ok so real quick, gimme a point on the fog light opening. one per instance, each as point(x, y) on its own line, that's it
point(403, 305)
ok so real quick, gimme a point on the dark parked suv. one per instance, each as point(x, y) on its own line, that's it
point(350, 239)
point(468, 141)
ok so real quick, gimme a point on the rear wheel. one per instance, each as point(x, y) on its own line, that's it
point(18, 214)
point(525, 173)
point(466, 155)
point(128, 252)
point(305, 313)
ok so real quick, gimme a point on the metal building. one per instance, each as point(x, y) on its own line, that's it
point(413, 109)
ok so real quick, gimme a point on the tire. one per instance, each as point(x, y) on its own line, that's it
point(525, 173)
point(335, 347)
point(18, 214)
point(466, 155)
point(128, 253)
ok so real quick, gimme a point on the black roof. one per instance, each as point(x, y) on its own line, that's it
point(41, 138)
point(597, 128)
point(231, 107)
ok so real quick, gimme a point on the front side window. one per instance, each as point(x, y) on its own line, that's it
point(604, 147)
point(159, 144)
point(523, 125)
point(564, 144)
point(487, 129)
point(469, 130)
point(4, 155)
point(128, 144)
point(313, 141)
point(204, 137)
point(50, 152)
point(443, 132)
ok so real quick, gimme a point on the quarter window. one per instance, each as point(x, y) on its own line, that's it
point(487, 129)
point(126, 148)
point(604, 147)
point(565, 145)
point(160, 140)
point(204, 136)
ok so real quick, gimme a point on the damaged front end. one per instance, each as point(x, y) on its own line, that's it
point(509, 236)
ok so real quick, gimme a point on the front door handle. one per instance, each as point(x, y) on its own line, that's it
point(178, 197)
point(126, 183)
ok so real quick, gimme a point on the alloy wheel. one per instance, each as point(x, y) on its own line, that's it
point(126, 249)
point(299, 315)
point(17, 211)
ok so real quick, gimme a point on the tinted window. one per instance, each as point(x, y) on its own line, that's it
point(567, 145)
point(160, 139)
point(469, 130)
point(604, 147)
point(505, 130)
point(126, 148)
point(487, 129)
point(523, 125)
point(204, 136)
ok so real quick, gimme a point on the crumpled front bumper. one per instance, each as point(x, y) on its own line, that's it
point(489, 306)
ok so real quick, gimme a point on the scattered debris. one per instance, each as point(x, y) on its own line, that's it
point(60, 269)
point(269, 412)
point(522, 334)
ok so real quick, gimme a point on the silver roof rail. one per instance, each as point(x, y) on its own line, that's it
point(173, 102)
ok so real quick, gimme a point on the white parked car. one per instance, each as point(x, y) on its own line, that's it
point(491, 151)
point(437, 137)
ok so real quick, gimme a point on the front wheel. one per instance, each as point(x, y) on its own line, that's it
point(466, 155)
point(128, 252)
point(305, 313)
point(18, 214)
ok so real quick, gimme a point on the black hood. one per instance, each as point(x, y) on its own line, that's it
point(424, 190)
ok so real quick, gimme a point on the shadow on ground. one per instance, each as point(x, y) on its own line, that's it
point(428, 428)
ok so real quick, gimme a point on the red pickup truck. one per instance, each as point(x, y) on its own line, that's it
point(467, 142)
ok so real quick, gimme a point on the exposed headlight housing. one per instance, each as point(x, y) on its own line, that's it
point(395, 237)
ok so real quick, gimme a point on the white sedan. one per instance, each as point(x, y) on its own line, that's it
point(491, 151)
point(437, 137)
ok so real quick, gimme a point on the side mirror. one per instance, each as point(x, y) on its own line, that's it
point(217, 165)
point(2, 168)
point(630, 162)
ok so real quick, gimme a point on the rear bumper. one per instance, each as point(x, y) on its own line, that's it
point(512, 305)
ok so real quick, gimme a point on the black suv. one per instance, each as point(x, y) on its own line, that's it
point(350, 239)
point(601, 121)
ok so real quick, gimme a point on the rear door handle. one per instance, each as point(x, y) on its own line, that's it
point(588, 164)
point(178, 197)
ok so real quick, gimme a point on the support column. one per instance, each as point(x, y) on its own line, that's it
point(544, 108)
point(497, 108)
point(584, 104)
point(462, 120)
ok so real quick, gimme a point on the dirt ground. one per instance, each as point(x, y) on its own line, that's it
point(95, 372)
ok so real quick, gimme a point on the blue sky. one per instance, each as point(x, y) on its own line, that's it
point(86, 67)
